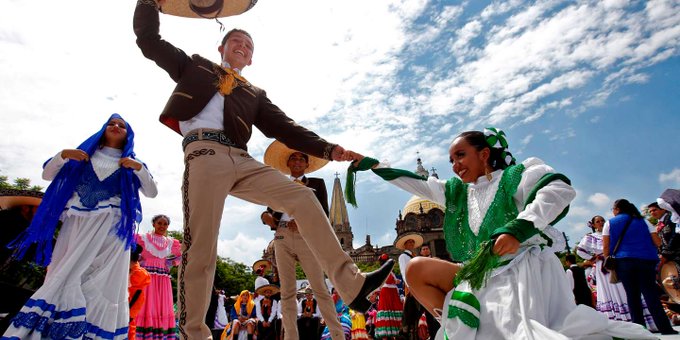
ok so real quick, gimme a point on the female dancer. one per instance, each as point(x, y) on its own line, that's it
point(156, 320)
point(390, 307)
point(94, 194)
point(498, 220)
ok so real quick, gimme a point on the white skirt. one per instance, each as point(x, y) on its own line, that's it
point(528, 299)
point(85, 291)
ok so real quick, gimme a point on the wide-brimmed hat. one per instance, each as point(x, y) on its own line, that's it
point(401, 240)
point(305, 290)
point(670, 201)
point(262, 263)
point(206, 8)
point(270, 288)
point(669, 275)
point(277, 155)
point(10, 198)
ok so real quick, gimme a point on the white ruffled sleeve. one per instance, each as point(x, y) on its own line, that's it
point(149, 187)
point(431, 189)
point(52, 167)
point(550, 200)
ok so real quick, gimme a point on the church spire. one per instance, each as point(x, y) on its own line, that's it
point(339, 218)
point(420, 169)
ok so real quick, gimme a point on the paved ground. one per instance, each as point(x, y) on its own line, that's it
point(671, 337)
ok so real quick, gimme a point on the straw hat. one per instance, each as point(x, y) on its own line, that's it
point(669, 274)
point(277, 155)
point(10, 198)
point(262, 263)
point(270, 289)
point(305, 290)
point(417, 237)
point(206, 8)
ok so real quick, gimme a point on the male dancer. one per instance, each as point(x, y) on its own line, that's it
point(408, 242)
point(214, 108)
point(289, 245)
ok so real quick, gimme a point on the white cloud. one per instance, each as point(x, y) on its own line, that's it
point(243, 248)
point(599, 200)
point(672, 177)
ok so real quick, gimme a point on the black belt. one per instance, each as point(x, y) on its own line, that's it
point(215, 136)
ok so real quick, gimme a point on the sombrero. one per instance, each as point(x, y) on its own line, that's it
point(670, 201)
point(670, 280)
point(10, 198)
point(277, 155)
point(206, 8)
point(270, 288)
point(305, 290)
point(266, 264)
point(417, 237)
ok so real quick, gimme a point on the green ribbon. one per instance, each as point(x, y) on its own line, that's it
point(350, 181)
point(367, 163)
point(495, 138)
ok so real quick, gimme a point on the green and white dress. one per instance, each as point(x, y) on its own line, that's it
point(523, 295)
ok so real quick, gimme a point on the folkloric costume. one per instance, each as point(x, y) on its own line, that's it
point(343, 317)
point(244, 306)
point(358, 325)
point(221, 319)
point(290, 247)
point(266, 310)
point(216, 112)
point(517, 296)
point(156, 320)
point(390, 309)
point(412, 309)
point(85, 291)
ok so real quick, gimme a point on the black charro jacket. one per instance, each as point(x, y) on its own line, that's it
point(197, 79)
point(318, 185)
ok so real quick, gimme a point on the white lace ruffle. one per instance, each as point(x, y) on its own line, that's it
point(151, 248)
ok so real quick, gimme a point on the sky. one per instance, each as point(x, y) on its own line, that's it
point(590, 87)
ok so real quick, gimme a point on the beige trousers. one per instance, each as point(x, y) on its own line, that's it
point(213, 171)
point(288, 245)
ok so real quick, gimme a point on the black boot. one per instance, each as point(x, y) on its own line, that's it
point(373, 281)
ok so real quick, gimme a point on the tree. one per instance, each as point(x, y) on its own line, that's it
point(3, 182)
point(22, 183)
point(230, 276)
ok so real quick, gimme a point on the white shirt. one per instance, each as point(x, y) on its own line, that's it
point(212, 115)
point(285, 217)
point(299, 308)
point(272, 314)
point(403, 264)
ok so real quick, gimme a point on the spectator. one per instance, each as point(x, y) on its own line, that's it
point(576, 276)
point(636, 260)
point(611, 297)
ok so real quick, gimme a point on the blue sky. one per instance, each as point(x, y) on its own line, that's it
point(588, 86)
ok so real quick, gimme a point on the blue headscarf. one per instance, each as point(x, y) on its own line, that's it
point(44, 223)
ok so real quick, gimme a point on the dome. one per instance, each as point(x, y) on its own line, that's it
point(413, 206)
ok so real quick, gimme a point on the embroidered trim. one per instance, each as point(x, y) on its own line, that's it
point(153, 247)
point(187, 238)
point(328, 150)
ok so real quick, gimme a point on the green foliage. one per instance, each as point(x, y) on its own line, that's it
point(230, 276)
point(19, 183)
point(22, 183)
point(299, 273)
point(233, 277)
point(3, 182)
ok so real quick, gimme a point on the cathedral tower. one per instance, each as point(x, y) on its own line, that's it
point(339, 218)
